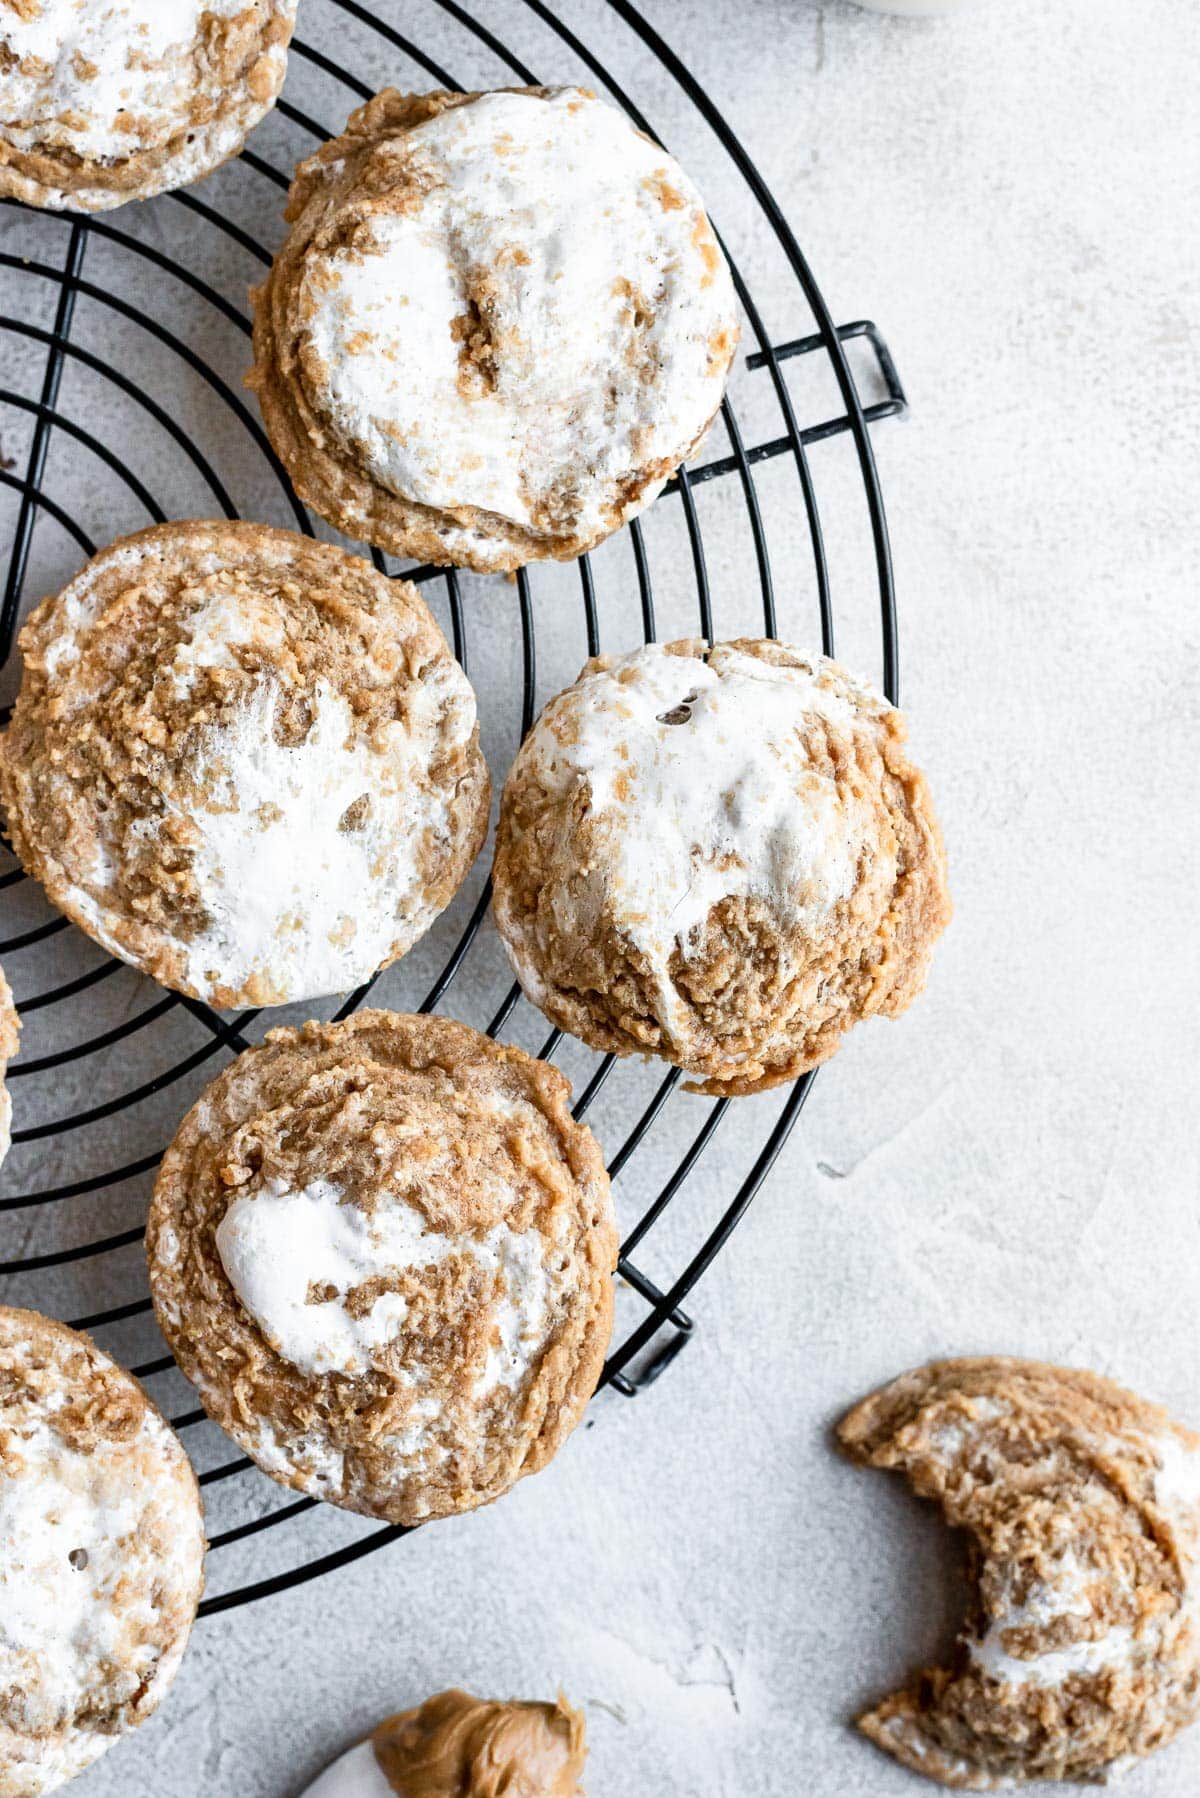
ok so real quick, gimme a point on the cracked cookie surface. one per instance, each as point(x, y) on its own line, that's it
point(116, 100)
point(382, 1250)
point(103, 1547)
point(720, 856)
point(499, 323)
point(243, 761)
point(1080, 1651)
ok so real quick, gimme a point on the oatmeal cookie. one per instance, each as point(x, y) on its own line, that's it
point(500, 321)
point(101, 1553)
point(382, 1250)
point(720, 856)
point(115, 100)
point(9, 1034)
point(243, 761)
point(1080, 1650)
point(456, 1746)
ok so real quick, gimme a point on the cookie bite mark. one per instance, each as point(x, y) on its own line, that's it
point(1080, 1650)
point(720, 856)
point(383, 1252)
point(492, 411)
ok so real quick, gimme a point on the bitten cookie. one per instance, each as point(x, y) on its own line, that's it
point(720, 856)
point(243, 761)
point(456, 1746)
point(101, 1553)
point(9, 1035)
point(1080, 1650)
point(500, 321)
point(112, 100)
point(382, 1250)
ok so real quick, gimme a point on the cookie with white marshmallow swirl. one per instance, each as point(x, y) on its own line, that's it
point(1080, 1650)
point(498, 325)
point(243, 761)
point(721, 856)
point(382, 1250)
point(101, 1553)
point(112, 100)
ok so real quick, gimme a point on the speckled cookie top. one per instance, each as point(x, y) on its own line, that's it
point(9, 1037)
point(383, 1252)
point(1081, 1644)
point(118, 99)
point(102, 1549)
point(499, 322)
point(721, 856)
point(244, 761)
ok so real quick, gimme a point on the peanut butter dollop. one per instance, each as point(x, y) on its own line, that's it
point(456, 1746)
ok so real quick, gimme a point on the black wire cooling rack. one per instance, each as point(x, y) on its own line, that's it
point(120, 367)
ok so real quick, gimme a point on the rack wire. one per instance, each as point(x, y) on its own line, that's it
point(62, 490)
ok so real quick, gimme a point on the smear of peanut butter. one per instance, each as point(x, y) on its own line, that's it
point(456, 1746)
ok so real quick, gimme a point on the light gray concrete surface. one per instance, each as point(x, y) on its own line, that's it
point(1013, 1167)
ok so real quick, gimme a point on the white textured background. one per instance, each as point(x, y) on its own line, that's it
point(1013, 196)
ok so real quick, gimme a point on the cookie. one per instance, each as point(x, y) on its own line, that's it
point(101, 1553)
point(456, 1746)
point(115, 100)
point(499, 323)
point(382, 1251)
point(1081, 1646)
point(243, 761)
point(9, 1033)
point(720, 856)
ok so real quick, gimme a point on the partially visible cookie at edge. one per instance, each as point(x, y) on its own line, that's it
point(104, 103)
point(10, 1031)
point(499, 323)
point(719, 855)
point(382, 1250)
point(243, 761)
point(102, 1562)
point(1080, 1648)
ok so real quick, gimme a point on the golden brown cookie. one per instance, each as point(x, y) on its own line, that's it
point(720, 856)
point(101, 1553)
point(115, 100)
point(9, 1036)
point(382, 1250)
point(1080, 1650)
point(456, 1746)
point(499, 323)
point(243, 761)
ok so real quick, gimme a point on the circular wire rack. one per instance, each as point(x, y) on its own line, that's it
point(122, 345)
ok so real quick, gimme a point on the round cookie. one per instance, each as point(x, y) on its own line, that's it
point(720, 856)
point(9, 1036)
point(243, 761)
point(1081, 1645)
point(382, 1251)
point(499, 323)
point(115, 100)
point(102, 1556)
point(454, 1745)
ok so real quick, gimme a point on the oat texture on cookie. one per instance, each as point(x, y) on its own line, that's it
point(721, 856)
point(9, 1034)
point(383, 1250)
point(102, 1553)
point(1080, 1648)
point(115, 100)
point(500, 321)
point(243, 761)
